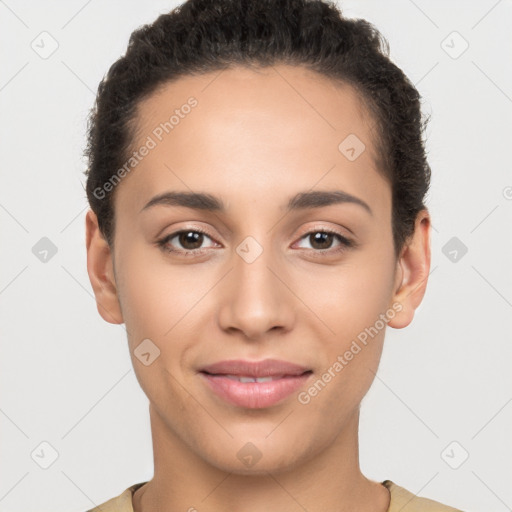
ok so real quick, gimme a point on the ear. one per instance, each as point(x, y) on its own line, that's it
point(412, 273)
point(101, 271)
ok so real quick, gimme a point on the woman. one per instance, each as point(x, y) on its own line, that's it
point(256, 180)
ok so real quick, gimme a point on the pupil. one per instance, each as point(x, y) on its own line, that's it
point(322, 237)
point(191, 236)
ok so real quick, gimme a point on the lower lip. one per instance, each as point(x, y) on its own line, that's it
point(255, 395)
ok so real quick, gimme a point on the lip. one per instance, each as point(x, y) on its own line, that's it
point(264, 368)
point(287, 379)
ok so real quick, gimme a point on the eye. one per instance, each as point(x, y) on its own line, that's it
point(321, 240)
point(190, 240)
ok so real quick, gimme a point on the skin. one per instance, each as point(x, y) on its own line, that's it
point(255, 139)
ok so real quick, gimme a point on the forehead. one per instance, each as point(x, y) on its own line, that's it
point(264, 129)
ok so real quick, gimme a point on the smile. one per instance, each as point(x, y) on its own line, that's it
point(254, 392)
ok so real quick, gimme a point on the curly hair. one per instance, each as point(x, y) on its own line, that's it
point(201, 36)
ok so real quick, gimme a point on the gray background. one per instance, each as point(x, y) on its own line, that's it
point(65, 375)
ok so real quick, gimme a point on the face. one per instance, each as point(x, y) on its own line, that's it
point(272, 274)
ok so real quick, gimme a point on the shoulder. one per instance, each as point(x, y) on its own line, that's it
point(406, 501)
point(121, 503)
point(401, 500)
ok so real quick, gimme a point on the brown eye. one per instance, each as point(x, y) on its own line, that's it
point(321, 240)
point(188, 241)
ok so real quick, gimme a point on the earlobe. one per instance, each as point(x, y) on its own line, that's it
point(413, 271)
point(101, 272)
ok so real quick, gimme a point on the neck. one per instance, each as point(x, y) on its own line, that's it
point(329, 480)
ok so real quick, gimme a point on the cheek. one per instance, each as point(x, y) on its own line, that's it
point(163, 302)
point(157, 301)
point(349, 297)
point(353, 301)
point(156, 294)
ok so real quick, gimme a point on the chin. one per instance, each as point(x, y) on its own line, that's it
point(254, 455)
point(262, 467)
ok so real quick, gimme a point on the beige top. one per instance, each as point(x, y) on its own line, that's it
point(401, 501)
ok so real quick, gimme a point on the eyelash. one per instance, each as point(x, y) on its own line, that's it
point(345, 242)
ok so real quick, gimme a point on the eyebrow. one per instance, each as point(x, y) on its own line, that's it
point(300, 201)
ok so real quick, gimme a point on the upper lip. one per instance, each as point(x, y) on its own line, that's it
point(264, 368)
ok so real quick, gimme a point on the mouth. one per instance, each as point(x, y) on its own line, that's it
point(256, 369)
point(247, 378)
point(254, 385)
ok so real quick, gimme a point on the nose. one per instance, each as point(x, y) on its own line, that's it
point(255, 299)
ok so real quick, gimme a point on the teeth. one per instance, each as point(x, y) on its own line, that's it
point(251, 379)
